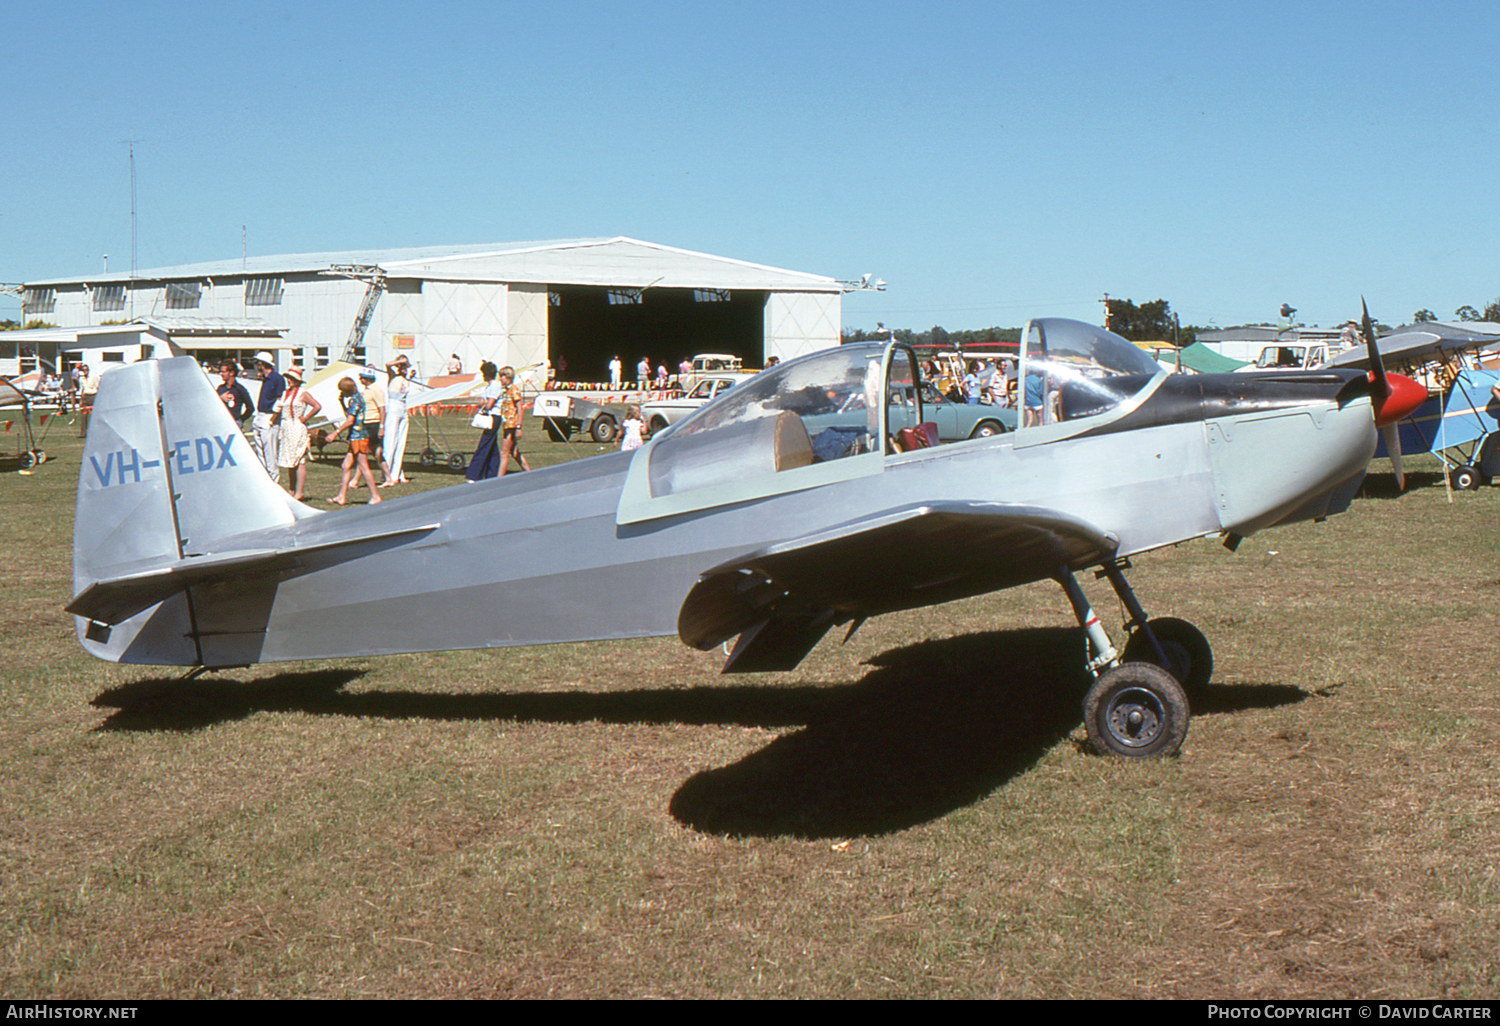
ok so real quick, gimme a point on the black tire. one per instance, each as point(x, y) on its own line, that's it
point(604, 429)
point(1190, 659)
point(987, 429)
point(658, 423)
point(1136, 711)
point(458, 461)
point(27, 460)
point(555, 431)
point(428, 458)
point(1465, 478)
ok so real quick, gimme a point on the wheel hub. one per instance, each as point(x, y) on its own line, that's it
point(1135, 717)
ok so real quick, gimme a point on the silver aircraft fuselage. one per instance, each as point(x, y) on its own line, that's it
point(186, 553)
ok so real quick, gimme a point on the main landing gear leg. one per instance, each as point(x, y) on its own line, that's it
point(1135, 708)
point(1104, 653)
point(1175, 645)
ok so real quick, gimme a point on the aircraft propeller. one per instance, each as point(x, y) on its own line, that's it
point(1393, 395)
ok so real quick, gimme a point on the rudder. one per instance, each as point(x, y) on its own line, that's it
point(166, 473)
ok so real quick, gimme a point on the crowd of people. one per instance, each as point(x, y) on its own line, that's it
point(992, 382)
point(661, 377)
point(373, 415)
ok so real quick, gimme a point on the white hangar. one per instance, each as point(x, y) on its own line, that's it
point(573, 303)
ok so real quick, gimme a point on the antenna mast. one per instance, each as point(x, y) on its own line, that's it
point(131, 143)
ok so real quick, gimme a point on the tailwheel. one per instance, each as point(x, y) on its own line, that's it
point(1188, 655)
point(1136, 710)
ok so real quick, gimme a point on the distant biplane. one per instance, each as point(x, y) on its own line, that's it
point(1459, 422)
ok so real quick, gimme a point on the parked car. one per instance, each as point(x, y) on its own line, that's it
point(661, 412)
point(957, 421)
point(1289, 357)
point(712, 365)
point(563, 414)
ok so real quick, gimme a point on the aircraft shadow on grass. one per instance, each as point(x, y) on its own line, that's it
point(929, 728)
point(1385, 486)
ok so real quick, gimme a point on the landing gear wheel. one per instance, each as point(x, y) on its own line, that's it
point(428, 458)
point(1464, 478)
point(457, 461)
point(1189, 658)
point(604, 429)
point(1137, 711)
point(28, 460)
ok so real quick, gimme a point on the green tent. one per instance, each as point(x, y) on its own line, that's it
point(1198, 357)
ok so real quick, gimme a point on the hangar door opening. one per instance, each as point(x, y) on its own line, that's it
point(587, 326)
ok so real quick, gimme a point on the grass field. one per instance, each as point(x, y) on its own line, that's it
point(912, 814)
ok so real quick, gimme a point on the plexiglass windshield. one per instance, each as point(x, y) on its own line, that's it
point(1071, 370)
point(837, 389)
point(817, 409)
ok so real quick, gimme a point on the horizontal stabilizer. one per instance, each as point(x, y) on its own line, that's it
point(117, 598)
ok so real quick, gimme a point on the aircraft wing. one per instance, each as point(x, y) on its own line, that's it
point(781, 599)
point(1415, 345)
point(426, 395)
point(11, 393)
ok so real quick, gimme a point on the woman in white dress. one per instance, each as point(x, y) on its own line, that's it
point(397, 390)
point(293, 410)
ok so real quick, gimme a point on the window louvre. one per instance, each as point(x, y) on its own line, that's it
point(109, 298)
point(38, 301)
point(263, 291)
point(183, 295)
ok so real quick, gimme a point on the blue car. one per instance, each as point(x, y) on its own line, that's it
point(957, 421)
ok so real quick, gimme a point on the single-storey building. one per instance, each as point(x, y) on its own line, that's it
point(565, 307)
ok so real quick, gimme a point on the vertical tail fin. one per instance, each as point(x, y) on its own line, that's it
point(166, 473)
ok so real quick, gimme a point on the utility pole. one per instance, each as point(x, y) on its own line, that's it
point(1106, 311)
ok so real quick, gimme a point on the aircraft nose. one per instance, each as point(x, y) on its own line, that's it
point(1405, 395)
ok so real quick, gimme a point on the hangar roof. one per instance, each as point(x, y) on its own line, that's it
point(617, 261)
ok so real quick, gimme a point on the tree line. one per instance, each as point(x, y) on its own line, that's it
point(1144, 322)
point(1491, 312)
point(1148, 322)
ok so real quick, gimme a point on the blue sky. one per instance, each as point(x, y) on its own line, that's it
point(992, 161)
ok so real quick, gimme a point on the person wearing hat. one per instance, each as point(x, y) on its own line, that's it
point(293, 410)
point(267, 438)
point(88, 388)
point(393, 439)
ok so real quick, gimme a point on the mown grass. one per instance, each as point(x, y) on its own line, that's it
point(909, 814)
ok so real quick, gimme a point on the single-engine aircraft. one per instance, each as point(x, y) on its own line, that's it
point(815, 494)
point(1459, 420)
